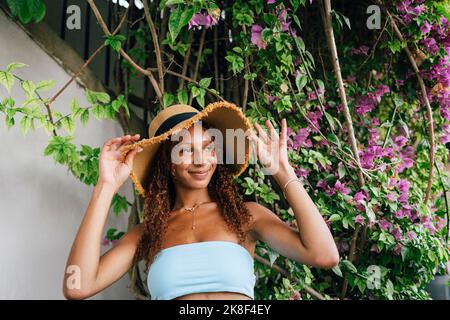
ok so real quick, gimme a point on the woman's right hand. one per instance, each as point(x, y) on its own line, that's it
point(112, 171)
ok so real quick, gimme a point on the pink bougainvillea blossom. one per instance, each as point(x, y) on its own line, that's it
point(200, 19)
point(299, 140)
point(256, 37)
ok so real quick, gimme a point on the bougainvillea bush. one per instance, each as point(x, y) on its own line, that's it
point(386, 203)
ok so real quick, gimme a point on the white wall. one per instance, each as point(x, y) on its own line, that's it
point(41, 203)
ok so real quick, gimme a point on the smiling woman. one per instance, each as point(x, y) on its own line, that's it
point(212, 259)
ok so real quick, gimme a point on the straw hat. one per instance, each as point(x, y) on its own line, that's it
point(221, 115)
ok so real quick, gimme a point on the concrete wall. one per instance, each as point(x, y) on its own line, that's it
point(41, 203)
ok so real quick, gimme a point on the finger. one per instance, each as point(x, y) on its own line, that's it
point(130, 156)
point(283, 131)
point(124, 144)
point(124, 139)
point(261, 132)
point(273, 132)
point(110, 142)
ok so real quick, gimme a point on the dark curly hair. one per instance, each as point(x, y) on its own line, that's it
point(160, 199)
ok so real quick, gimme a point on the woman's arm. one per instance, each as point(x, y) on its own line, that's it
point(313, 244)
point(86, 272)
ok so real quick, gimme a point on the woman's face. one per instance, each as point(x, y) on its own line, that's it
point(193, 158)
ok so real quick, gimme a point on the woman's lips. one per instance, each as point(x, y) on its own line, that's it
point(199, 174)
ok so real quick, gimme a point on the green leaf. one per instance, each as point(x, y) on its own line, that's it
point(168, 99)
point(335, 217)
point(205, 82)
point(178, 19)
point(300, 81)
point(98, 112)
point(173, 2)
point(25, 124)
point(337, 271)
point(12, 66)
point(93, 97)
point(272, 256)
point(68, 124)
point(200, 97)
point(330, 120)
point(29, 88)
point(119, 204)
point(349, 265)
point(48, 126)
point(75, 107)
point(115, 41)
point(183, 96)
point(37, 9)
point(84, 117)
point(7, 80)
point(341, 171)
point(45, 85)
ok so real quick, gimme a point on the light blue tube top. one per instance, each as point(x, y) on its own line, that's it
point(207, 266)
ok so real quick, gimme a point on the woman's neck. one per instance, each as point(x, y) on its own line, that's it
point(190, 198)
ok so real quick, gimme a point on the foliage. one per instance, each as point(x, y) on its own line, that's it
point(274, 57)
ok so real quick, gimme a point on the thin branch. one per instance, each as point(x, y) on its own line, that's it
point(179, 75)
point(328, 26)
point(155, 44)
point(197, 63)
point(145, 72)
point(427, 103)
point(247, 71)
point(444, 190)
point(285, 273)
point(186, 59)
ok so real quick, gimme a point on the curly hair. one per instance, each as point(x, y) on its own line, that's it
point(160, 199)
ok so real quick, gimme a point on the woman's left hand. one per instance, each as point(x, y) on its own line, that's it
point(272, 149)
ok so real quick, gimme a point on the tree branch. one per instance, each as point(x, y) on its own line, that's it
point(285, 273)
point(425, 98)
point(159, 62)
point(328, 27)
point(145, 72)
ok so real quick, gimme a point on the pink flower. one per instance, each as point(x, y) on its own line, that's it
point(295, 296)
point(360, 196)
point(391, 197)
point(200, 19)
point(445, 138)
point(384, 224)
point(359, 219)
point(426, 27)
point(271, 98)
point(397, 249)
point(397, 233)
point(300, 140)
point(400, 141)
point(282, 17)
point(411, 235)
point(256, 37)
point(301, 172)
point(339, 186)
point(270, 1)
point(363, 50)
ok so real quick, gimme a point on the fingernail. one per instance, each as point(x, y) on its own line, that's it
point(140, 149)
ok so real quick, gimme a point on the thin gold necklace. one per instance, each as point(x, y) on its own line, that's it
point(192, 210)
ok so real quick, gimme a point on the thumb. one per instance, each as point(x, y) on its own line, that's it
point(130, 156)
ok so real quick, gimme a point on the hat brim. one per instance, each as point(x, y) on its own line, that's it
point(221, 115)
